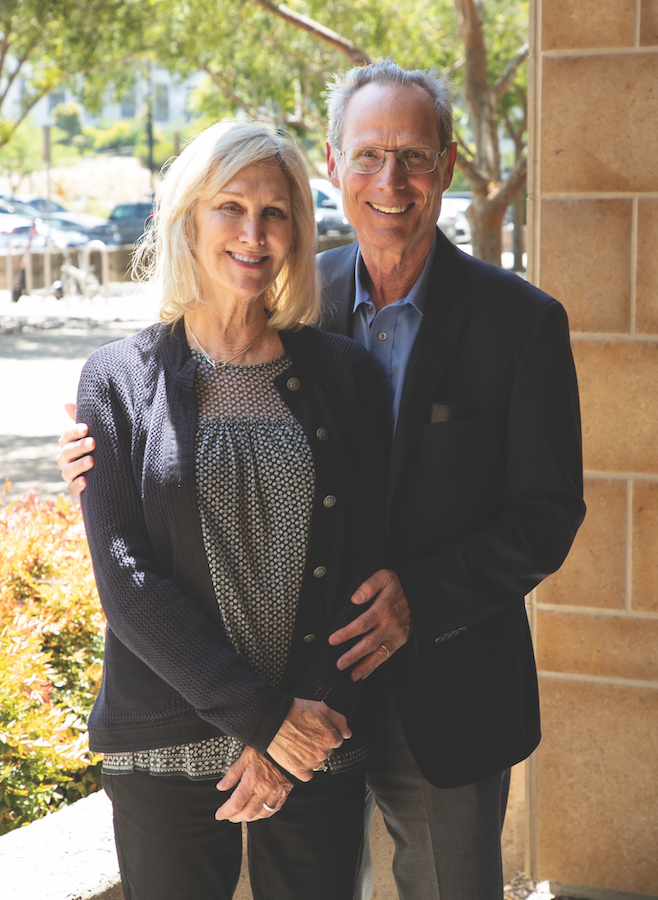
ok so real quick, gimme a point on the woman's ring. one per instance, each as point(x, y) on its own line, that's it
point(269, 808)
point(385, 649)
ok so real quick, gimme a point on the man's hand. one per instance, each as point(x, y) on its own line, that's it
point(385, 625)
point(310, 733)
point(72, 459)
point(262, 789)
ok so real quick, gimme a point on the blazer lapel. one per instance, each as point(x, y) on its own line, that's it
point(336, 273)
point(444, 320)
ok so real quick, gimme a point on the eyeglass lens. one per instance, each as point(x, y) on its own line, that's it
point(411, 159)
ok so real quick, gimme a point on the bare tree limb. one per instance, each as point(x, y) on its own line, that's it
point(355, 54)
point(506, 78)
point(501, 197)
point(477, 180)
point(458, 63)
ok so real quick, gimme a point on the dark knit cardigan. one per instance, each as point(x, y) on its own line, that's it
point(170, 675)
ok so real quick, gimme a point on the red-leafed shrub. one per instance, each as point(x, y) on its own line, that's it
point(51, 647)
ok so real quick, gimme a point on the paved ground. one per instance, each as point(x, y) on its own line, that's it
point(43, 345)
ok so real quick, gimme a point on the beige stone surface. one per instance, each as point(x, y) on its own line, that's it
point(597, 787)
point(587, 23)
point(647, 267)
point(649, 23)
point(594, 573)
point(645, 547)
point(513, 839)
point(600, 123)
point(586, 261)
point(618, 392)
point(590, 644)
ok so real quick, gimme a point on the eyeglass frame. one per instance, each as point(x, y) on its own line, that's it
point(439, 154)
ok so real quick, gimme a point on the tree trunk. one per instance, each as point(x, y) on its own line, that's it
point(486, 227)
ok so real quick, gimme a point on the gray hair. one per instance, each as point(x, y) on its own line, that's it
point(387, 72)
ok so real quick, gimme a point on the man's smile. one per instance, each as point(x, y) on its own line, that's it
point(391, 209)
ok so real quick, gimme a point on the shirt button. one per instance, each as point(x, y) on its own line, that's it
point(382, 335)
point(322, 434)
point(293, 384)
point(308, 638)
point(439, 640)
point(319, 572)
point(329, 501)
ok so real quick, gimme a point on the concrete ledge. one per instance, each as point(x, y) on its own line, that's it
point(68, 855)
point(581, 892)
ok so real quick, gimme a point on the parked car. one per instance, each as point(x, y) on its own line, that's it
point(42, 204)
point(24, 231)
point(94, 227)
point(131, 219)
point(453, 222)
point(329, 216)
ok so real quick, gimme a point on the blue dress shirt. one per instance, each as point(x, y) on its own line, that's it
point(390, 334)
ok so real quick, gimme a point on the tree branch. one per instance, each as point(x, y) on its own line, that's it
point(501, 197)
point(458, 63)
point(476, 179)
point(506, 78)
point(355, 54)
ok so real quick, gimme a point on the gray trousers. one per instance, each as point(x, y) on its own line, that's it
point(447, 840)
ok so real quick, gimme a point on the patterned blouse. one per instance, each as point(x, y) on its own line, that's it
point(254, 482)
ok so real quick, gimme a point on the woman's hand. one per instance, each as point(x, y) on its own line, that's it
point(310, 733)
point(72, 459)
point(262, 789)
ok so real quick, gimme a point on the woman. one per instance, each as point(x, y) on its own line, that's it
point(233, 507)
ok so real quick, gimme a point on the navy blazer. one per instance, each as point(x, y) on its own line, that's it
point(484, 500)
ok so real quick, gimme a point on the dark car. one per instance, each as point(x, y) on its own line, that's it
point(131, 220)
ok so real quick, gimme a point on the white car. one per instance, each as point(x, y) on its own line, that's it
point(329, 215)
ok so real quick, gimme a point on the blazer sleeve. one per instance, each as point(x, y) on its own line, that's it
point(461, 584)
point(146, 610)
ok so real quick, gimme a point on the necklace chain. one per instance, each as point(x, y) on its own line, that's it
point(222, 363)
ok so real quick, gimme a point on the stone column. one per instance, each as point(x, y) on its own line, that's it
point(593, 243)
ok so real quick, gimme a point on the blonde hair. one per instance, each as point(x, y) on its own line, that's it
point(166, 256)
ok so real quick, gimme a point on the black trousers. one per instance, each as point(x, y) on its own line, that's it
point(170, 846)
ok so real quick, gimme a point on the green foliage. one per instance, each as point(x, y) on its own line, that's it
point(22, 154)
point(51, 644)
point(66, 116)
point(48, 42)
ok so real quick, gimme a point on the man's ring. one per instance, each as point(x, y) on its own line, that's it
point(269, 808)
point(385, 649)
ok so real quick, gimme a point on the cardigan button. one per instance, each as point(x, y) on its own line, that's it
point(308, 638)
point(329, 501)
point(322, 434)
point(293, 384)
point(319, 572)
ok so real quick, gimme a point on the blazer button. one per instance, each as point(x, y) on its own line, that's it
point(322, 434)
point(319, 572)
point(382, 335)
point(308, 638)
point(329, 501)
point(293, 384)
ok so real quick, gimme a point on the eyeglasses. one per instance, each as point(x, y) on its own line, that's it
point(412, 160)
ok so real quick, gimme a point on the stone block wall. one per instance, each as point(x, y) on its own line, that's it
point(593, 244)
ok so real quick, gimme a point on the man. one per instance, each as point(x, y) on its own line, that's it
point(484, 494)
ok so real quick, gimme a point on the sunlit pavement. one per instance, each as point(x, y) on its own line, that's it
point(44, 343)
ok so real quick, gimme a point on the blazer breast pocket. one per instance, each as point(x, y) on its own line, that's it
point(452, 421)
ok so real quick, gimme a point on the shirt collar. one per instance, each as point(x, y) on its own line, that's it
point(417, 296)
